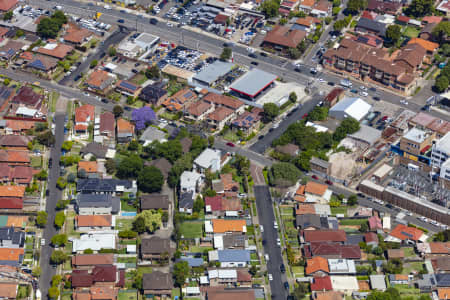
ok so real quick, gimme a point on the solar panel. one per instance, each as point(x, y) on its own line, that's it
point(38, 64)
point(128, 85)
point(363, 39)
point(407, 234)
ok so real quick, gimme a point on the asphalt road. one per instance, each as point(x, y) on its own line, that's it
point(261, 145)
point(101, 51)
point(253, 156)
point(270, 235)
point(54, 194)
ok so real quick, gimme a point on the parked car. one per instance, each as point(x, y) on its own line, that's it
point(121, 21)
point(270, 277)
point(315, 177)
point(282, 268)
point(153, 21)
point(229, 144)
point(329, 182)
point(255, 63)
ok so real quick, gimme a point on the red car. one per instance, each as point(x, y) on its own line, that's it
point(230, 144)
point(329, 182)
point(304, 116)
point(315, 177)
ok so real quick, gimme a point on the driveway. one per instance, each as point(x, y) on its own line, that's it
point(54, 194)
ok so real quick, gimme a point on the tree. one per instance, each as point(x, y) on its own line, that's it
point(211, 140)
point(42, 175)
point(300, 291)
point(271, 110)
point(270, 8)
point(171, 150)
point(94, 63)
point(58, 257)
point(117, 111)
point(293, 97)
point(339, 25)
point(283, 21)
point(153, 72)
point(182, 164)
point(61, 183)
point(393, 34)
point(139, 224)
point(127, 234)
point(41, 218)
point(36, 271)
point(352, 200)
point(48, 28)
point(53, 292)
point(443, 236)
point(378, 295)
point(393, 266)
point(180, 272)
point(112, 51)
point(110, 166)
point(283, 174)
point(129, 167)
point(377, 251)
point(152, 220)
point(60, 218)
point(47, 138)
point(61, 204)
point(318, 114)
point(348, 126)
point(441, 84)
point(67, 146)
point(354, 6)
point(226, 54)
point(88, 251)
point(6, 82)
point(199, 204)
point(364, 227)
point(133, 145)
point(294, 53)
point(445, 49)
point(420, 8)
point(150, 179)
point(8, 15)
point(59, 239)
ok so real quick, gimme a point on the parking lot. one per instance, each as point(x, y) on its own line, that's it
point(183, 58)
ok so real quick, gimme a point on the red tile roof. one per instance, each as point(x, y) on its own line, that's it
point(60, 51)
point(105, 273)
point(284, 36)
point(403, 19)
point(93, 220)
point(324, 236)
point(404, 232)
point(223, 100)
point(432, 19)
point(333, 249)
point(92, 259)
point(81, 278)
point(107, 122)
point(375, 223)
point(84, 113)
point(6, 5)
point(316, 264)
point(321, 284)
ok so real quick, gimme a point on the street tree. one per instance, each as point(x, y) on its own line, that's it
point(293, 97)
point(153, 72)
point(53, 292)
point(352, 200)
point(271, 110)
point(8, 15)
point(47, 138)
point(59, 239)
point(117, 111)
point(58, 257)
point(441, 84)
point(41, 218)
point(226, 54)
point(112, 51)
point(60, 218)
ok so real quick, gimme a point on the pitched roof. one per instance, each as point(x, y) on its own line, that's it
point(76, 35)
point(6, 5)
point(284, 36)
point(333, 249)
point(155, 245)
point(440, 248)
point(81, 278)
point(199, 108)
point(97, 77)
point(58, 51)
point(93, 220)
point(321, 284)
point(92, 259)
point(315, 264)
point(157, 281)
point(315, 188)
point(413, 54)
point(429, 46)
point(329, 295)
point(154, 201)
point(88, 166)
point(105, 273)
point(223, 100)
point(396, 253)
point(220, 114)
point(307, 3)
point(324, 236)
point(222, 294)
point(404, 232)
point(11, 254)
point(432, 19)
point(27, 96)
point(443, 293)
point(107, 122)
point(228, 183)
point(123, 126)
point(12, 140)
point(84, 113)
point(222, 226)
point(8, 290)
point(104, 292)
point(12, 191)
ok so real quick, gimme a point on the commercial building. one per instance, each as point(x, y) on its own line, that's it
point(350, 107)
point(144, 43)
point(213, 73)
point(253, 83)
point(440, 151)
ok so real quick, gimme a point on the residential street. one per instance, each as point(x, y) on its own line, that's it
point(47, 270)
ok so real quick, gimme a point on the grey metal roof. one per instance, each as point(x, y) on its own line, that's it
point(320, 162)
point(231, 255)
point(96, 185)
point(214, 71)
point(186, 200)
point(253, 82)
point(99, 200)
point(378, 282)
point(9, 234)
point(366, 134)
point(372, 25)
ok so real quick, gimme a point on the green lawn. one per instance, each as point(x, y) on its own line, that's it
point(127, 295)
point(287, 211)
point(127, 260)
point(36, 162)
point(231, 136)
point(175, 293)
point(298, 271)
point(126, 207)
point(139, 79)
point(411, 32)
point(412, 266)
point(352, 221)
point(192, 230)
point(124, 224)
point(339, 210)
point(144, 270)
point(409, 252)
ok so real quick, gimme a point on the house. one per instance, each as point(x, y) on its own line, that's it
point(430, 47)
point(94, 241)
point(11, 238)
point(224, 294)
point(441, 264)
point(180, 100)
point(369, 40)
point(444, 7)
point(328, 295)
point(99, 81)
point(399, 279)
point(11, 197)
point(125, 131)
point(11, 256)
point(10, 50)
point(443, 279)
point(87, 169)
point(19, 175)
point(378, 282)
point(107, 125)
point(88, 261)
point(332, 250)
point(247, 122)
point(230, 258)
point(307, 23)
point(282, 38)
point(322, 9)
point(190, 182)
point(128, 88)
point(186, 202)
point(209, 159)
point(84, 116)
point(344, 284)
point(317, 267)
point(403, 233)
point(225, 184)
point(26, 96)
point(162, 164)
point(306, 5)
point(222, 226)
point(230, 241)
point(371, 238)
point(154, 201)
point(375, 223)
point(56, 50)
point(288, 149)
point(311, 222)
point(8, 290)
point(341, 266)
point(18, 142)
point(87, 223)
point(443, 293)
point(7, 5)
point(220, 205)
point(155, 248)
point(426, 33)
point(224, 101)
point(220, 117)
point(384, 7)
point(152, 134)
point(94, 149)
point(317, 192)
point(154, 93)
point(222, 277)
point(97, 204)
point(321, 284)
point(411, 57)
point(338, 236)
point(143, 116)
point(199, 110)
point(15, 157)
point(76, 36)
point(157, 284)
point(334, 97)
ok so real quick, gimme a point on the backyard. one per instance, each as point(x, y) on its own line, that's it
point(411, 32)
point(191, 230)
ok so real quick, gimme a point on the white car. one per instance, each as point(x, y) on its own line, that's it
point(107, 7)
point(266, 257)
point(261, 228)
point(363, 88)
point(170, 24)
point(321, 80)
point(42, 242)
point(363, 94)
point(270, 277)
point(278, 242)
point(275, 225)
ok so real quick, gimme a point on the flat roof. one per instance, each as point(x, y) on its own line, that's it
point(178, 72)
point(372, 185)
point(382, 171)
point(253, 82)
point(214, 71)
point(416, 135)
point(444, 143)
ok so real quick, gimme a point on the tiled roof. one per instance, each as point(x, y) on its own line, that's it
point(123, 126)
point(88, 166)
point(105, 273)
point(11, 254)
point(429, 46)
point(443, 293)
point(12, 191)
point(222, 226)
point(284, 36)
point(104, 292)
point(315, 264)
point(60, 51)
point(27, 96)
point(334, 249)
point(324, 236)
point(81, 278)
point(8, 290)
point(97, 77)
point(228, 183)
point(76, 35)
point(220, 114)
point(14, 156)
point(157, 281)
point(6, 5)
point(12, 140)
point(93, 220)
point(403, 232)
point(307, 3)
point(321, 284)
point(432, 19)
point(199, 108)
point(155, 245)
point(107, 122)
point(413, 54)
point(92, 259)
point(440, 248)
point(315, 188)
point(223, 100)
point(84, 113)
point(328, 295)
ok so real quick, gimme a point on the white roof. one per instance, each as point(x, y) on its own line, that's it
point(344, 283)
point(188, 180)
point(213, 273)
point(353, 107)
point(377, 282)
point(416, 135)
point(94, 241)
point(218, 242)
point(318, 128)
point(192, 290)
point(341, 266)
point(208, 227)
point(382, 171)
point(111, 66)
point(131, 248)
point(322, 209)
point(372, 185)
point(22, 110)
point(213, 255)
point(208, 158)
point(227, 274)
point(204, 280)
point(443, 144)
point(110, 153)
point(386, 222)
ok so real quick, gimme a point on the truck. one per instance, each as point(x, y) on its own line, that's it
point(346, 83)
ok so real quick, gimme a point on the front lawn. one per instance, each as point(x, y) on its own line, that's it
point(191, 230)
point(411, 32)
point(127, 295)
point(356, 222)
point(231, 136)
point(339, 210)
point(412, 266)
